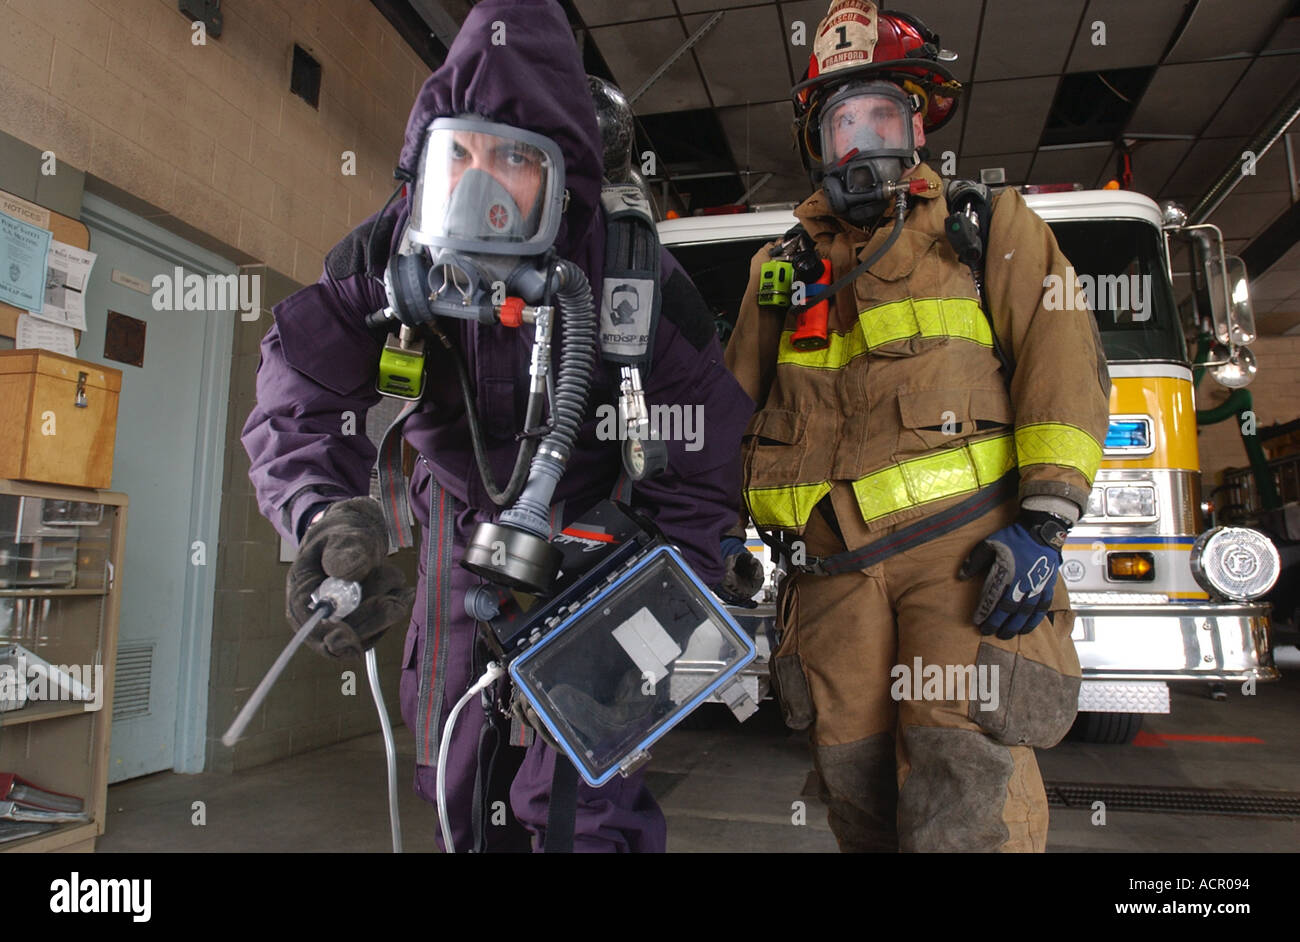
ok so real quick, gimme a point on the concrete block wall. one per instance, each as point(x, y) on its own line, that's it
point(1276, 399)
point(207, 140)
point(308, 707)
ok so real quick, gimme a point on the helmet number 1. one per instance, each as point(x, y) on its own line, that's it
point(844, 37)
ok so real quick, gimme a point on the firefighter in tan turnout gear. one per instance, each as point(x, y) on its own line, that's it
point(919, 465)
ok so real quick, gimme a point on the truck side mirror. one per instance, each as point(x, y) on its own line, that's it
point(1241, 315)
point(1233, 368)
point(1218, 288)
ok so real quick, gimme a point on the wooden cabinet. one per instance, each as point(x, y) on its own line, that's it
point(59, 421)
point(60, 589)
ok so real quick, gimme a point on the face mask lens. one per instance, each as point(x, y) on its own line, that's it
point(482, 188)
point(865, 124)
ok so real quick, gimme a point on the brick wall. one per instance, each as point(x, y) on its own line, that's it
point(207, 139)
point(1276, 399)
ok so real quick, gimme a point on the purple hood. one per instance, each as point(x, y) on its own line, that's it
point(515, 62)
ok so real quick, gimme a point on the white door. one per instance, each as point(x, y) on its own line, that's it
point(168, 460)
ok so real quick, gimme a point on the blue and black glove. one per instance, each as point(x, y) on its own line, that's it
point(742, 574)
point(1022, 560)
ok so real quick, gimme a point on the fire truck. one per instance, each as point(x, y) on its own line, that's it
point(1160, 597)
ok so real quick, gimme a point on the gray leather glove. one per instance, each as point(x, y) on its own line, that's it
point(350, 542)
point(742, 574)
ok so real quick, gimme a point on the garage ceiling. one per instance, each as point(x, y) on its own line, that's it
point(1192, 82)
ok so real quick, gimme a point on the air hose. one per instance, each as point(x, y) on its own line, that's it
point(900, 214)
point(527, 448)
point(490, 676)
point(577, 363)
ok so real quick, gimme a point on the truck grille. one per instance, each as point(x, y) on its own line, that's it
point(1159, 798)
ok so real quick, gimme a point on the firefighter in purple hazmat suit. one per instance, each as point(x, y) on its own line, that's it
point(515, 64)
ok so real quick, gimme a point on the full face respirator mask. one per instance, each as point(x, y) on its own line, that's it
point(487, 206)
point(866, 146)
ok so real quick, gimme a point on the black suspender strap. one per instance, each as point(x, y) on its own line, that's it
point(562, 812)
point(978, 504)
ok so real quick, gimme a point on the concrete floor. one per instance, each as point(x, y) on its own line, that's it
point(726, 787)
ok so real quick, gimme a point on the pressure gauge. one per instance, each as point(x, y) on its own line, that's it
point(644, 458)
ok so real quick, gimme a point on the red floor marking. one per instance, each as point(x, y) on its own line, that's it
point(1161, 740)
point(1185, 737)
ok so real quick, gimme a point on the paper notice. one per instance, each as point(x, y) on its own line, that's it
point(33, 333)
point(23, 251)
point(65, 285)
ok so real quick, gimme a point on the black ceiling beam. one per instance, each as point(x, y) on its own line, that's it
point(412, 28)
point(1273, 242)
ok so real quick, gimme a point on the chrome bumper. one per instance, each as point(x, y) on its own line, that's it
point(1198, 641)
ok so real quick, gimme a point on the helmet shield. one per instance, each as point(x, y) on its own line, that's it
point(487, 188)
point(864, 121)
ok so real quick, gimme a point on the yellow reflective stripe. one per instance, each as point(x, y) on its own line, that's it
point(785, 506)
point(886, 323)
point(1054, 443)
point(882, 492)
point(933, 477)
point(992, 458)
point(929, 317)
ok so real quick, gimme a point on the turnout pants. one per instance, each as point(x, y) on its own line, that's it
point(923, 730)
point(510, 800)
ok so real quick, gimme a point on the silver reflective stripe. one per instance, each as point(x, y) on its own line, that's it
point(437, 622)
point(392, 483)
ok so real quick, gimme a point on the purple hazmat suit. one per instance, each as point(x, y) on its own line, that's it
point(513, 63)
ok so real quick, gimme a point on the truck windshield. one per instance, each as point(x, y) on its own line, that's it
point(1117, 263)
point(720, 270)
point(1120, 268)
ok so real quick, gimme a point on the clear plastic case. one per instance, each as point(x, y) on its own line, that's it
point(602, 681)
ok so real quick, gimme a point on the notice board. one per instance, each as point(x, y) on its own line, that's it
point(63, 228)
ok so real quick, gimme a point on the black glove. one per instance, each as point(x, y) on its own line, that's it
point(350, 541)
point(742, 574)
point(523, 711)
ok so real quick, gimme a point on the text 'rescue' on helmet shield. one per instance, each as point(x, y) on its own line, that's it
point(486, 187)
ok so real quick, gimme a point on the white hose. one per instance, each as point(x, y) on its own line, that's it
point(390, 749)
point(490, 676)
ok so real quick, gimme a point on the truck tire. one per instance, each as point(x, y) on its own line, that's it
point(1106, 728)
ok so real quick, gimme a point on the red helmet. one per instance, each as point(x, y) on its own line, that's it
point(856, 41)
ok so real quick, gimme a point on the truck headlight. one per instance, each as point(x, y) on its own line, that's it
point(1235, 562)
point(1096, 502)
point(1130, 501)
